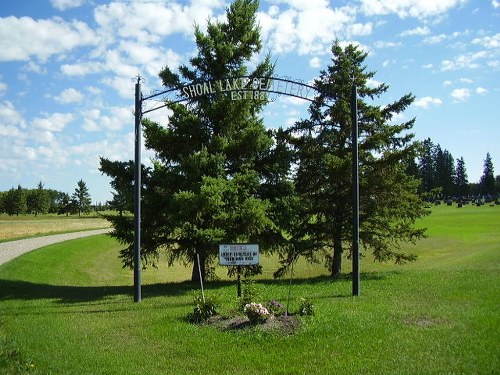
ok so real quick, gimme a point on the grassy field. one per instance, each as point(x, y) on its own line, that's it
point(67, 309)
point(24, 226)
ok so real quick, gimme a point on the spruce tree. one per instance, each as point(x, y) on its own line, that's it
point(207, 183)
point(389, 200)
point(81, 198)
point(461, 179)
point(487, 182)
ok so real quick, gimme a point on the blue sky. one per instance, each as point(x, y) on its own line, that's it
point(66, 71)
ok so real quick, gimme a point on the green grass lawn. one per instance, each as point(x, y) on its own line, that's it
point(67, 309)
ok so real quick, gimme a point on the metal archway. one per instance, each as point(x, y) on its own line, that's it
point(240, 88)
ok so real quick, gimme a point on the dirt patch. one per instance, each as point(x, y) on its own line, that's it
point(285, 325)
point(424, 321)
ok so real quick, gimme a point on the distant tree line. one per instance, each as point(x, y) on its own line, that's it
point(442, 176)
point(19, 201)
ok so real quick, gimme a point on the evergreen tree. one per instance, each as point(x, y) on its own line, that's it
point(389, 203)
point(487, 182)
point(39, 200)
point(15, 201)
point(445, 171)
point(461, 180)
point(207, 183)
point(65, 204)
point(3, 196)
point(427, 166)
point(81, 198)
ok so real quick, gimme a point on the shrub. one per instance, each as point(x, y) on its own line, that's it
point(256, 312)
point(275, 308)
point(306, 307)
point(249, 294)
point(203, 309)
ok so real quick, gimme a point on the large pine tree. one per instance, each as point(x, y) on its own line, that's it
point(389, 203)
point(461, 179)
point(487, 182)
point(207, 182)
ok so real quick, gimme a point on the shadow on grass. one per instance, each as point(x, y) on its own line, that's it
point(25, 290)
point(68, 294)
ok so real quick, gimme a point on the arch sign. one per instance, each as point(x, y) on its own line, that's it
point(237, 88)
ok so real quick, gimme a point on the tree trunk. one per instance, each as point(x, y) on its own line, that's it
point(337, 257)
point(337, 252)
point(195, 274)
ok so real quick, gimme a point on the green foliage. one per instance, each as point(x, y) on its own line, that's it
point(306, 307)
point(81, 198)
point(72, 314)
point(487, 182)
point(256, 312)
point(204, 308)
point(389, 201)
point(249, 293)
point(207, 183)
point(275, 308)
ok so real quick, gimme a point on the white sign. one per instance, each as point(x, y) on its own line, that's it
point(243, 254)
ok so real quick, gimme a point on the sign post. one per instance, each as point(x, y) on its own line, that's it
point(240, 254)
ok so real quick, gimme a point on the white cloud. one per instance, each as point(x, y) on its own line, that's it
point(495, 3)
point(9, 116)
point(23, 38)
point(148, 21)
point(296, 28)
point(492, 42)
point(469, 61)
point(360, 29)
point(460, 95)
point(66, 4)
point(373, 83)
point(3, 88)
point(427, 101)
point(405, 8)
point(82, 69)
point(315, 62)
point(69, 96)
point(55, 122)
point(385, 44)
point(481, 90)
point(386, 63)
point(416, 31)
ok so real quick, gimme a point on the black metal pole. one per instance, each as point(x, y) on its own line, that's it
point(355, 192)
point(137, 193)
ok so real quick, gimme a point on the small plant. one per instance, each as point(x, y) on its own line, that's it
point(306, 307)
point(203, 309)
point(249, 294)
point(275, 308)
point(256, 312)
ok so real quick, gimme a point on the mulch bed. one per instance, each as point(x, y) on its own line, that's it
point(285, 325)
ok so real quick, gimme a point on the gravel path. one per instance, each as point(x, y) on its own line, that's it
point(10, 250)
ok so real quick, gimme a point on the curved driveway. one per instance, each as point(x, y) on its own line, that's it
point(11, 249)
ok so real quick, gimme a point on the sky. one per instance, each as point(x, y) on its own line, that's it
point(67, 71)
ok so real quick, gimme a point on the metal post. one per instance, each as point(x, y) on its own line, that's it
point(137, 193)
point(355, 192)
